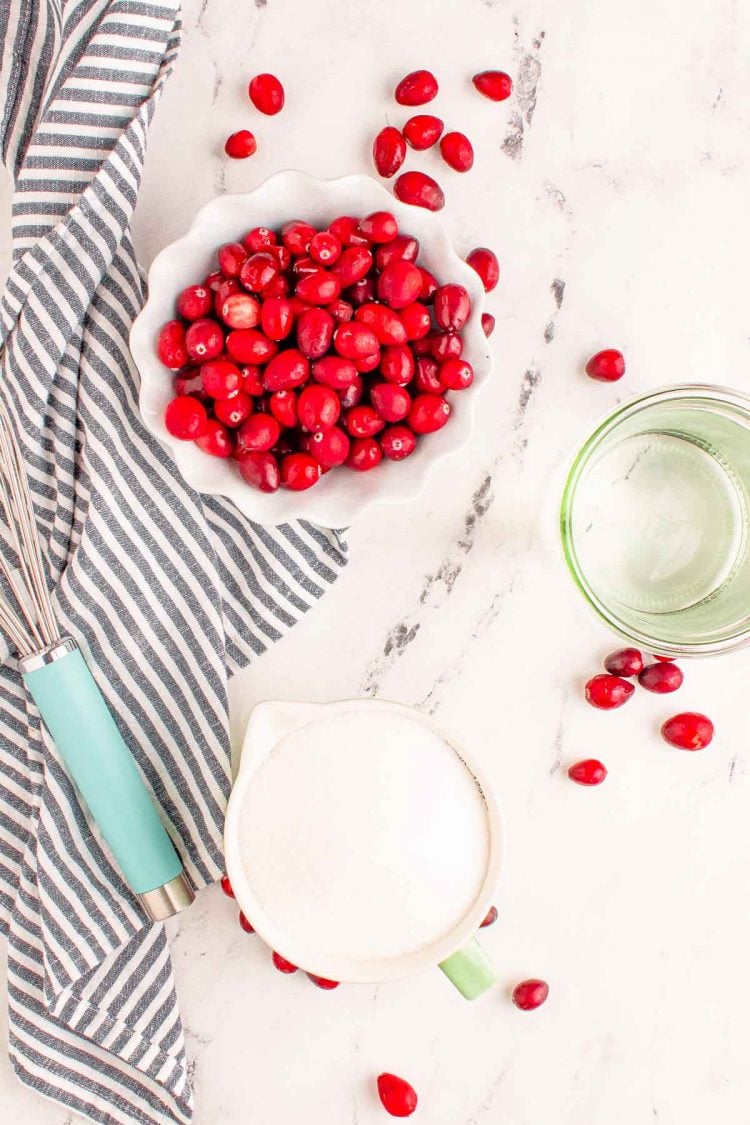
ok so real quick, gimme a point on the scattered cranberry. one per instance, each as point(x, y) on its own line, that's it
point(607, 366)
point(530, 994)
point(456, 151)
point(240, 145)
point(488, 323)
point(486, 265)
point(260, 470)
point(624, 662)
point(490, 918)
point(282, 964)
point(388, 151)
point(266, 93)
point(420, 190)
point(246, 926)
point(422, 131)
point(688, 731)
point(299, 471)
point(323, 982)
point(398, 1097)
point(494, 84)
point(185, 418)
point(226, 886)
point(195, 302)
point(170, 345)
point(607, 692)
point(588, 772)
point(661, 678)
point(398, 442)
point(416, 88)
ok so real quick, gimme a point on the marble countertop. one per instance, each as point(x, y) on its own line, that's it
point(613, 186)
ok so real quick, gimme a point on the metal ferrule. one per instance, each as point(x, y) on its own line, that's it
point(163, 902)
point(46, 656)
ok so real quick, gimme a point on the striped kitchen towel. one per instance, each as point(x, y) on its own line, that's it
point(168, 591)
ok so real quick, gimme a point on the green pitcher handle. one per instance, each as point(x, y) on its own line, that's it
point(470, 970)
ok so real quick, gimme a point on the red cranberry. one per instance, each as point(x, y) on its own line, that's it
point(314, 332)
point(286, 370)
point(280, 253)
point(279, 287)
point(299, 471)
point(530, 994)
point(325, 248)
point(234, 411)
point(423, 347)
point(607, 692)
point(297, 236)
point(429, 285)
point(397, 442)
point(226, 288)
point(607, 366)
point(380, 226)
point(624, 662)
point(363, 421)
point(391, 402)
point(194, 302)
point(402, 248)
point(486, 265)
point(420, 190)
point(352, 394)
point(353, 265)
point(318, 408)
point(388, 151)
point(456, 151)
point(384, 322)
point(232, 257)
point(661, 678)
point(329, 447)
point(362, 292)
point(185, 418)
point(318, 288)
point(258, 434)
point(247, 345)
point(276, 318)
point(456, 374)
point(688, 731)
point(266, 93)
point(251, 379)
point(260, 470)
point(323, 982)
point(204, 339)
point(340, 310)
point(283, 406)
point(422, 130)
point(452, 307)
point(346, 229)
point(416, 321)
point(280, 962)
point(398, 1097)
point(239, 310)
point(416, 88)
point(170, 345)
point(334, 371)
point(399, 284)
point(494, 84)
point(447, 345)
point(588, 772)
point(427, 376)
point(226, 886)
point(428, 413)
point(244, 924)
point(259, 271)
point(259, 238)
point(397, 365)
point(188, 382)
point(355, 341)
point(367, 363)
point(213, 280)
point(365, 454)
point(490, 918)
point(240, 145)
point(216, 440)
point(488, 324)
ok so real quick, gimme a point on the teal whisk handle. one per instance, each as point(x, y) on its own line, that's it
point(105, 773)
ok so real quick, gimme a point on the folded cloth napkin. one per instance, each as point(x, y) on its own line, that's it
point(167, 591)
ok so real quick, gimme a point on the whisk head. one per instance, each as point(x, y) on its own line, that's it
point(26, 615)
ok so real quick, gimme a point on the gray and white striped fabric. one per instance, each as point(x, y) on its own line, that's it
point(168, 592)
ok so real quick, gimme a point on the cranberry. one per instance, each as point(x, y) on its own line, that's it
point(456, 374)
point(399, 284)
point(286, 370)
point(490, 918)
point(232, 257)
point(259, 238)
point(402, 248)
point(355, 341)
point(239, 310)
point(428, 413)
point(281, 963)
point(423, 347)
point(452, 307)
point(427, 376)
point(422, 130)
point(297, 236)
point(334, 371)
point(416, 88)
point(325, 248)
point(283, 406)
point(266, 93)
point(216, 439)
point(346, 229)
point(397, 442)
point(391, 402)
point(688, 731)
point(315, 332)
point(397, 365)
point(194, 302)
point(226, 886)
point(240, 145)
point(170, 345)
point(247, 345)
point(607, 692)
point(588, 772)
point(362, 292)
point(276, 318)
point(363, 421)
point(188, 382)
point(494, 84)
point(365, 454)
point(353, 265)
point(260, 470)
point(398, 1097)
point(420, 190)
point(204, 339)
point(258, 434)
point(384, 322)
point(367, 363)
point(447, 345)
point(251, 379)
point(488, 324)
point(429, 285)
point(456, 151)
point(624, 662)
point(299, 471)
point(259, 271)
point(244, 924)
point(279, 287)
point(318, 408)
point(352, 394)
point(220, 378)
point(226, 288)
point(234, 411)
point(318, 288)
point(213, 280)
point(607, 366)
point(329, 447)
point(388, 151)
point(281, 254)
point(323, 982)
point(380, 226)
point(486, 265)
point(661, 678)
point(530, 994)
point(416, 320)
point(340, 310)
point(185, 418)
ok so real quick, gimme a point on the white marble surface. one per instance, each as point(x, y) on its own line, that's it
point(614, 188)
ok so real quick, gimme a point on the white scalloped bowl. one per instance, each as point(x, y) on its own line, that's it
point(341, 495)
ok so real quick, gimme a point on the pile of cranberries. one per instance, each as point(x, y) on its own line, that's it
point(309, 350)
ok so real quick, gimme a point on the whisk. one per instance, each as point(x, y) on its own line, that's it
point(72, 707)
